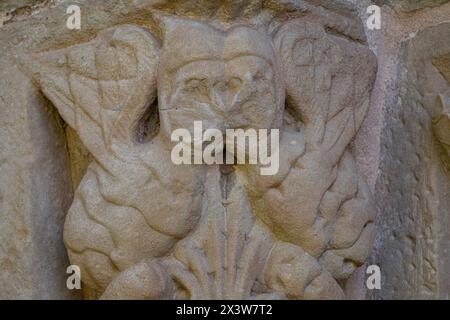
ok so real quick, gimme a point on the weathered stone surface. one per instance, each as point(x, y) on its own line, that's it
point(35, 191)
point(441, 124)
point(412, 248)
point(91, 111)
point(10, 5)
point(443, 65)
point(412, 5)
point(203, 231)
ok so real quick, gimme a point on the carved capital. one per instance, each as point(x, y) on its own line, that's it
point(441, 126)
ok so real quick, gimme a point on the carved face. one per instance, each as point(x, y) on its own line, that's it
point(225, 86)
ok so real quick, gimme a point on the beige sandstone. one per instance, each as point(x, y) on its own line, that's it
point(86, 118)
point(411, 5)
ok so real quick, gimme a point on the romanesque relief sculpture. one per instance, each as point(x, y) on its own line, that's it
point(441, 122)
point(441, 125)
point(142, 227)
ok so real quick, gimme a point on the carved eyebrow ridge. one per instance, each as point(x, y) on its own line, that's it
point(229, 58)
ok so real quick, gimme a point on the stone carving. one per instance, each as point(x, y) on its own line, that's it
point(412, 188)
point(141, 227)
point(441, 125)
point(441, 122)
point(410, 6)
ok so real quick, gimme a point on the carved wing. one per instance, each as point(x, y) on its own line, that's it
point(103, 87)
